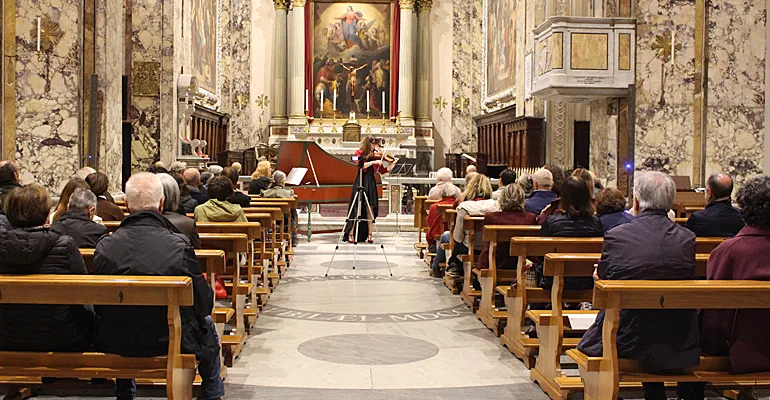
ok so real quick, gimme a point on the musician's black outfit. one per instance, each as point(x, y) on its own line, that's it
point(370, 188)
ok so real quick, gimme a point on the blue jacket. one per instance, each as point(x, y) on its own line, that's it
point(610, 221)
point(538, 200)
point(719, 219)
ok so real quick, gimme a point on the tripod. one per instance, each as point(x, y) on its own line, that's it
point(358, 199)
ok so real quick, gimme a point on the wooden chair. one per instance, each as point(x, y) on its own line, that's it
point(176, 369)
point(552, 324)
point(604, 375)
point(490, 278)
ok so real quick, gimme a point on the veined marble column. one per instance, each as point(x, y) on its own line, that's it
point(406, 63)
point(423, 61)
point(279, 116)
point(297, 63)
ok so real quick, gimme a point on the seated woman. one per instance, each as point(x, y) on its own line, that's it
point(512, 213)
point(260, 179)
point(217, 208)
point(277, 190)
point(743, 334)
point(443, 177)
point(611, 208)
point(64, 199)
point(187, 203)
point(477, 189)
point(574, 217)
point(436, 225)
point(238, 197)
point(31, 248)
point(184, 223)
point(105, 209)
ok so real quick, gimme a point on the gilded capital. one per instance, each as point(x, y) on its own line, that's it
point(406, 4)
point(298, 3)
point(424, 5)
point(281, 4)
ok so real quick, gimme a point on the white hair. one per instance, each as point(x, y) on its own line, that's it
point(215, 169)
point(178, 166)
point(144, 192)
point(84, 172)
point(543, 178)
point(447, 189)
point(444, 175)
point(279, 178)
point(82, 199)
point(170, 192)
point(654, 191)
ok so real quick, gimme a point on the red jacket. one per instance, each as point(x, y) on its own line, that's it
point(435, 224)
point(743, 335)
point(504, 261)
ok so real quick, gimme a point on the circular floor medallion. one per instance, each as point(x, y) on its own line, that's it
point(368, 349)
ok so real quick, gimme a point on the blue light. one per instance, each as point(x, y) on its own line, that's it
point(628, 166)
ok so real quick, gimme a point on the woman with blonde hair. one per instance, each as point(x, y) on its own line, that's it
point(260, 179)
point(477, 188)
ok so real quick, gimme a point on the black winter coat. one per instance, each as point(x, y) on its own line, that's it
point(649, 247)
point(560, 225)
point(42, 327)
point(719, 219)
point(185, 225)
point(256, 186)
point(240, 199)
point(77, 224)
point(187, 203)
point(148, 244)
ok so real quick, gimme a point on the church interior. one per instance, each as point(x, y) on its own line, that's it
point(384, 199)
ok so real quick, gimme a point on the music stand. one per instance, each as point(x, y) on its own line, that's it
point(403, 167)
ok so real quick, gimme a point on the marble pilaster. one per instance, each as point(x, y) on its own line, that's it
point(424, 40)
point(47, 84)
point(604, 130)
point(466, 81)
point(110, 54)
point(168, 74)
point(241, 126)
point(296, 61)
point(279, 116)
point(406, 67)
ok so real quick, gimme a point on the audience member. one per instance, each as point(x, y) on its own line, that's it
point(478, 188)
point(237, 167)
point(31, 248)
point(217, 208)
point(611, 208)
point(720, 218)
point(573, 217)
point(278, 190)
point(526, 183)
point(238, 197)
point(662, 341)
point(443, 177)
point(205, 178)
point(469, 169)
point(177, 167)
point(186, 202)
point(507, 177)
point(64, 199)
point(77, 221)
point(511, 213)
point(148, 244)
point(105, 209)
point(215, 170)
point(193, 178)
point(83, 173)
point(557, 176)
point(436, 225)
point(742, 335)
point(260, 179)
point(9, 179)
point(585, 176)
point(184, 223)
point(543, 194)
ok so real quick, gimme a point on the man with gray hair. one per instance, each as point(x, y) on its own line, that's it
point(193, 178)
point(77, 221)
point(444, 178)
point(543, 194)
point(146, 243)
point(651, 247)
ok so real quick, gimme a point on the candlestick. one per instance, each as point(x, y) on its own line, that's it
point(367, 103)
point(307, 121)
point(38, 35)
point(382, 131)
point(334, 122)
point(368, 123)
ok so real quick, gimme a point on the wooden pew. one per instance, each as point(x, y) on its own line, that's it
point(604, 375)
point(176, 369)
point(552, 324)
point(421, 223)
point(490, 278)
point(518, 297)
point(449, 215)
point(420, 213)
point(469, 295)
point(688, 210)
point(276, 245)
point(687, 199)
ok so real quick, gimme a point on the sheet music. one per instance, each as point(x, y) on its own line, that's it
point(581, 321)
point(295, 176)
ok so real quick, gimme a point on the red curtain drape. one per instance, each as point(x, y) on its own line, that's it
point(396, 37)
point(309, 56)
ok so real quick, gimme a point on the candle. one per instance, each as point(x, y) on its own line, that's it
point(334, 105)
point(383, 103)
point(306, 100)
point(673, 48)
point(38, 34)
point(367, 101)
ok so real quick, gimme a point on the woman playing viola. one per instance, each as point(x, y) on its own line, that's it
point(369, 159)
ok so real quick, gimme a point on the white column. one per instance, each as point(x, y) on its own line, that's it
point(406, 62)
point(424, 61)
point(279, 116)
point(297, 63)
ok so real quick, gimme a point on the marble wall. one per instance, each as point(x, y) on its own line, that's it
point(262, 31)
point(237, 65)
point(47, 115)
point(441, 21)
point(735, 119)
point(466, 79)
point(604, 140)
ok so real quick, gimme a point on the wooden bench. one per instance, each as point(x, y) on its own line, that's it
point(687, 199)
point(490, 278)
point(449, 216)
point(604, 375)
point(470, 224)
point(421, 223)
point(280, 240)
point(176, 369)
point(518, 296)
point(552, 324)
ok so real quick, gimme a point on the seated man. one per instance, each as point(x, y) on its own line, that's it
point(720, 218)
point(742, 335)
point(193, 178)
point(507, 177)
point(443, 177)
point(217, 208)
point(661, 340)
point(9, 179)
point(78, 222)
point(148, 244)
point(542, 196)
